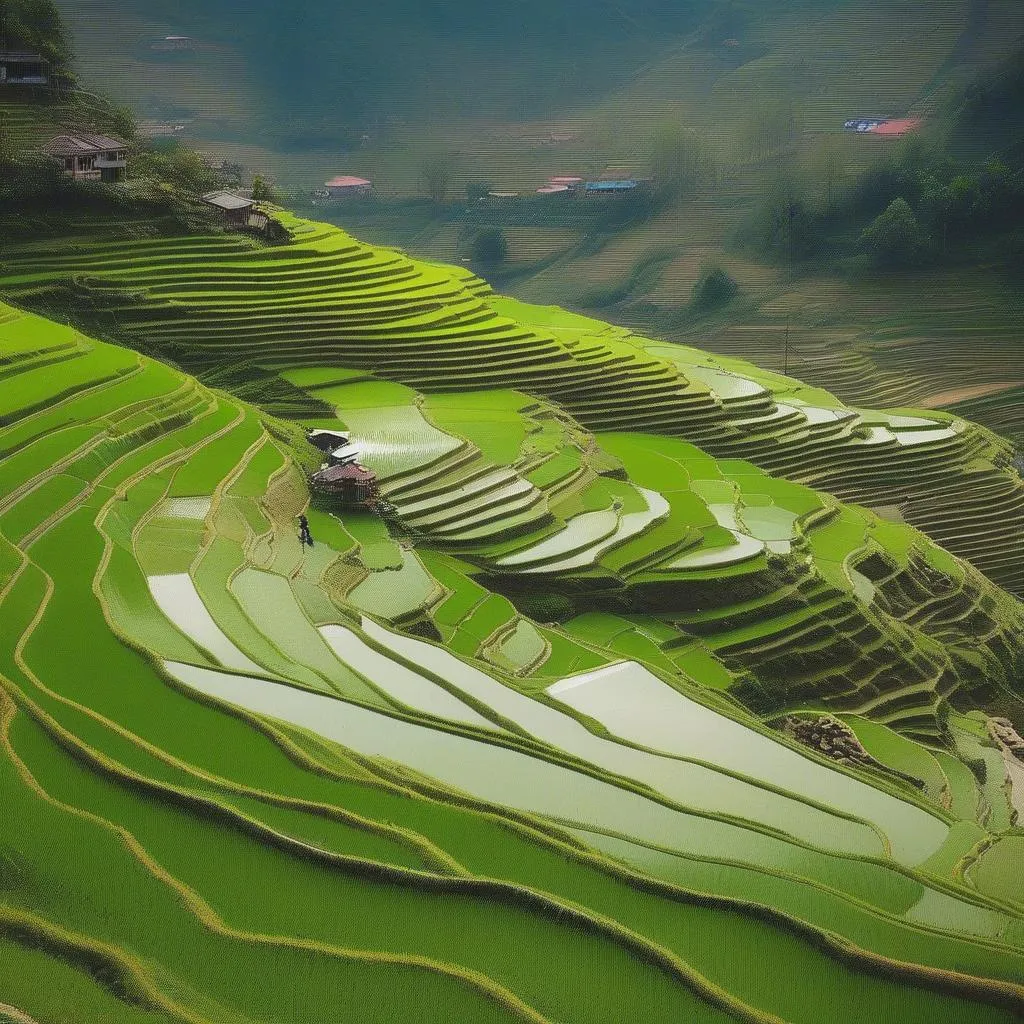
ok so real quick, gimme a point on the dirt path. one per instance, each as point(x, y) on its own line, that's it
point(12, 1013)
point(964, 394)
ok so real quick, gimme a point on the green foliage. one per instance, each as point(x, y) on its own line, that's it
point(894, 238)
point(490, 246)
point(36, 26)
point(788, 228)
point(175, 165)
point(679, 162)
point(714, 288)
point(263, 190)
point(476, 190)
point(979, 768)
point(436, 177)
point(545, 607)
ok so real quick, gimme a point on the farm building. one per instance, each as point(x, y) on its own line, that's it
point(19, 68)
point(171, 44)
point(235, 209)
point(350, 483)
point(612, 188)
point(894, 127)
point(898, 126)
point(88, 157)
point(326, 440)
point(347, 185)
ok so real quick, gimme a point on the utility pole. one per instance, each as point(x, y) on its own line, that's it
point(785, 349)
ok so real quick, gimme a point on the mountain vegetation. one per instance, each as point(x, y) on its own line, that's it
point(643, 666)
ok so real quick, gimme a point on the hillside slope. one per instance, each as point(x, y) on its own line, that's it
point(231, 760)
point(327, 299)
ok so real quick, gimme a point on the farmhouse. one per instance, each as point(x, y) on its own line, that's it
point(350, 483)
point(88, 157)
point(347, 185)
point(20, 68)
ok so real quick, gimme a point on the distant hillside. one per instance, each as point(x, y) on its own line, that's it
point(35, 26)
point(354, 65)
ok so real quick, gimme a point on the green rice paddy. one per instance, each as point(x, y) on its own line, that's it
point(510, 752)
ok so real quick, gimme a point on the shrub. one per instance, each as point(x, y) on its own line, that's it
point(979, 769)
point(490, 246)
point(263, 190)
point(895, 238)
point(715, 287)
point(546, 607)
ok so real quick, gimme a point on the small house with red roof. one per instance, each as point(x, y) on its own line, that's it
point(345, 185)
point(349, 483)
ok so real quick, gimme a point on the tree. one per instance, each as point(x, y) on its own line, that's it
point(476, 190)
point(715, 287)
point(787, 227)
point(829, 167)
point(436, 177)
point(679, 162)
point(175, 165)
point(894, 238)
point(263, 190)
point(490, 246)
point(36, 25)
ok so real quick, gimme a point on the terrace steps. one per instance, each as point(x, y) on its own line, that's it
point(245, 296)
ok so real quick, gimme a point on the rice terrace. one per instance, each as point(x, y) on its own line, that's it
point(380, 645)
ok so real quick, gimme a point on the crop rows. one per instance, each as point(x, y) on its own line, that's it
point(257, 780)
point(326, 300)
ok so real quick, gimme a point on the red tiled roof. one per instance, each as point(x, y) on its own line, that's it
point(349, 471)
point(347, 181)
point(898, 126)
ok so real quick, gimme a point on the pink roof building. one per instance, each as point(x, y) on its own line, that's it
point(897, 126)
point(347, 185)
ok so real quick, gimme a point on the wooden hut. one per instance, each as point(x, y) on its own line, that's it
point(350, 484)
point(234, 209)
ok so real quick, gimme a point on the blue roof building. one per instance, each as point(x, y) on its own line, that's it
point(622, 185)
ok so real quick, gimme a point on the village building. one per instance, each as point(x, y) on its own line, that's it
point(170, 44)
point(326, 440)
point(350, 484)
point(234, 209)
point(612, 188)
point(22, 68)
point(346, 185)
point(88, 157)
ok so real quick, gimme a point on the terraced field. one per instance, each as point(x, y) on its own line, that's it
point(217, 303)
point(514, 752)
